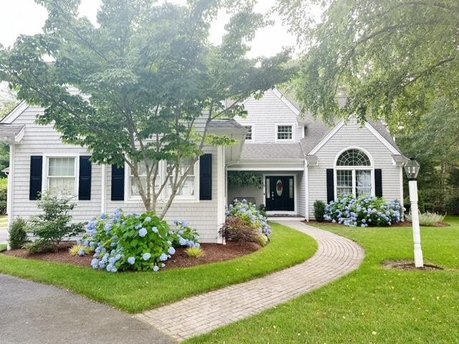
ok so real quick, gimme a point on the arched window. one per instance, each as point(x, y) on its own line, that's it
point(354, 174)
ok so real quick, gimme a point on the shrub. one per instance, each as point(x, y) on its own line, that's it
point(184, 235)
point(195, 252)
point(452, 205)
point(363, 212)
point(53, 225)
point(428, 219)
point(236, 229)
point(18, 234)
point(248, 213)
point(3, 195)
point(80, 250)
point(129, 242)
point(319, 210)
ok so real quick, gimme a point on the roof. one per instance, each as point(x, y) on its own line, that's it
point(271, 151)
point(11, 133)
point(225, 124)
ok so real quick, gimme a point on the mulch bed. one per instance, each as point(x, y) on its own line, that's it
point(409, 266)
point(213, 253)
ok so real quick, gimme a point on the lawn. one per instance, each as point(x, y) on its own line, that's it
point(136, 292)
point(372, 305)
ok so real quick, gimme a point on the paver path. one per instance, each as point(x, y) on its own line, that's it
point(33, 313)
point(336, 257)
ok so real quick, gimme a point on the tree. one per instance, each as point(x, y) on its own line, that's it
point(391, 58)
point(4, 148)
point(143, 86)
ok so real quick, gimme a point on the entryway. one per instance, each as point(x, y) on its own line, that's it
point(280, 193)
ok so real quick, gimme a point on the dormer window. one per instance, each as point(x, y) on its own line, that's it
point(249, 134)
point(284, 133)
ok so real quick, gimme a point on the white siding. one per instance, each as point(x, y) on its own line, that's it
point(267, 112)
point(301, 193)
point(43, 140)
point(352, 135)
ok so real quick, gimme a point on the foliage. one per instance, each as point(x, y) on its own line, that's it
point(252, 226)
point(428, 219)
point(245, 178)
point(452, 205)
point(129, 242)
point(195, 252)
point(183, 235)
point(4, 147)
point(3, 195)
point(18, 234)
point(319, 210)
point(146, 75)
point(143, 291)
point(80, 250)
point(363, 212)
point(53, 224)
point(392, 59)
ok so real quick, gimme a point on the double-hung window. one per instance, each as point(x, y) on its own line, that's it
point(353, 174)
point(61, 176)
point(188, 189)
point(284, 132)
point(249, 134)
point(133, 186)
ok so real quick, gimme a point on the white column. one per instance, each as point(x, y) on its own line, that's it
point(306, 188)
point(103, 186)
point(418, 258)
point(221, 188)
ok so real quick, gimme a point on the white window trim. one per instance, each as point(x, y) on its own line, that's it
point(164, 196)
point(283, 125)
point(370, 168)
point(253, 131)
point(45, 170)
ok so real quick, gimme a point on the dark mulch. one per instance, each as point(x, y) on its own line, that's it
point(213, 253)
point(409, 266)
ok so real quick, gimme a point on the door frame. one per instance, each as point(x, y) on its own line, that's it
point(295, 193)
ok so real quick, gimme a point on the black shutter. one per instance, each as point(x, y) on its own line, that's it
point(205, 177)
point(117, 183)
point(36, 170)
point(378, 182)
point(330, 185)
point(84, 183)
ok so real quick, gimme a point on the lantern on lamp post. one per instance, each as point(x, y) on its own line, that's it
point(412, 169)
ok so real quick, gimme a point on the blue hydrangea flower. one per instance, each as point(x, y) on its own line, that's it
point(163, 257)
point(171, 250)
point(155, 230)
point(146, 256)
point(142, 232)
point(81, 252)
point(156, 268)
point(148, 219)
point(95, 263)
point(108, 227)
point(131, 260)
point(103, 216)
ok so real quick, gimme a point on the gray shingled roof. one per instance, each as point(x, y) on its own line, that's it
point(225, 124)
point(9, 131)
point(271, 151)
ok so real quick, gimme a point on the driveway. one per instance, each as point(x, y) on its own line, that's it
point(34, 313)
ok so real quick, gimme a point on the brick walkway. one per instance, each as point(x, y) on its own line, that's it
point(200, 314)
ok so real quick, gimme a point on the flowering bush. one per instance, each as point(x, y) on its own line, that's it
point(363, 212)
point(245, 223)
point(184, 235)
point(129, 242)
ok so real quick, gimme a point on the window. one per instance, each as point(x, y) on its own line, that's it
point(61, 176)
point(249, 135)
point(284, 132)
point(188, 189)
point(353, 174)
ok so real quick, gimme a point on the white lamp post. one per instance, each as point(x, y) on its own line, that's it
point(412, 169)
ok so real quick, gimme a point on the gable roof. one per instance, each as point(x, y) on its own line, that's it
point(272, 151)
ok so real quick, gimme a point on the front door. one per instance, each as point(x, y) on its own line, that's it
point(280, 193)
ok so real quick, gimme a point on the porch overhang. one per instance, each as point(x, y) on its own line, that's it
point(11, 134)
point(272, 165)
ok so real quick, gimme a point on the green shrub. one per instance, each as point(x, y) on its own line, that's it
point(18, 234)
point(428, 219)
point(248, 213)
point(3, 195)
point(184, 235)
point(195, 252)
point(53, 224)
point(319, 210)
point(452, 205)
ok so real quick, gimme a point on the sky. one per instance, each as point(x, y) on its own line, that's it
point(26, 17)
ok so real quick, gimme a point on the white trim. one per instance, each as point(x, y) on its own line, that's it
point(386, 143)
point(286, 102)
point(295, 193)
point(277, 140)
point(401, 193)
point(220, 189)
point(295, 165)
point(9, 203)
point(103, 188)
point(327, 138)
point(372, 163)
point(14, 114)
point(18, 138)
point(252, 126)
point(45, 170)
point(306, 171)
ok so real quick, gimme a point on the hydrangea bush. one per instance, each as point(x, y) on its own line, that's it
point(251, 217)
point(363, 212)
point(129, 242)
point(184, 235)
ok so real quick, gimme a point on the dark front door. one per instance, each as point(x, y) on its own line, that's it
point(280, 193)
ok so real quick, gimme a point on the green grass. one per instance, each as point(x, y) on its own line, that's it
point(136, 292)
point(3, 247)
point(373, 304)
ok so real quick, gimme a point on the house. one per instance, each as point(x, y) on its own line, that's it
point(298, 159)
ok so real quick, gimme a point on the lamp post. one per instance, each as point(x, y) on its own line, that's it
point(412, 169)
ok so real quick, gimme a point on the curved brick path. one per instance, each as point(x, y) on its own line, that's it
point(335, 258)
